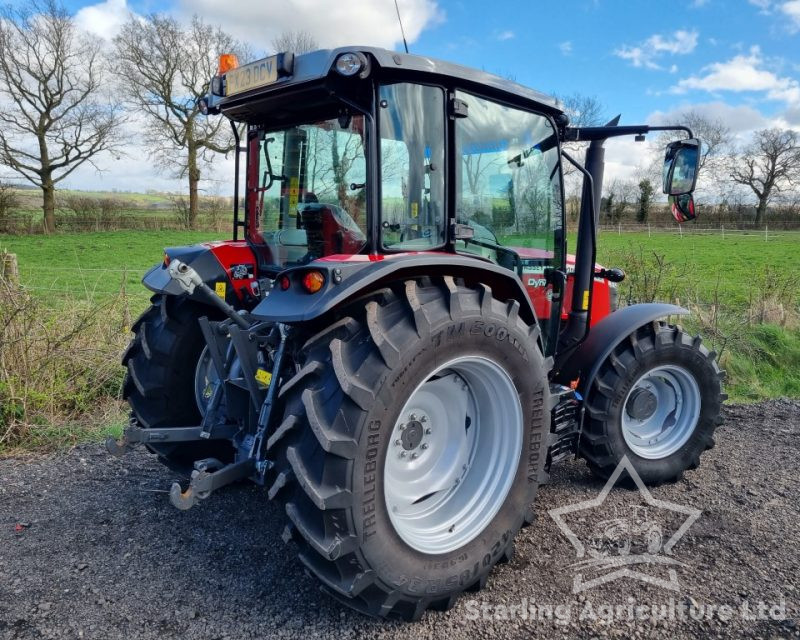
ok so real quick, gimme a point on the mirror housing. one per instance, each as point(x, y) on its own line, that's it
point(681, 162)
point(682, 207)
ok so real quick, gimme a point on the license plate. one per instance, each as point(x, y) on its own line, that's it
point(256, 74)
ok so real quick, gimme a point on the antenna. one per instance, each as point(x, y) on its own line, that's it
point(402, 31)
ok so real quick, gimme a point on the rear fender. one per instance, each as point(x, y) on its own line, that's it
point(584, 363)
point(214, 262)
point(348, 279)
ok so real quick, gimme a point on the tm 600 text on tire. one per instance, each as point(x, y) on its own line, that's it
point(657, 400)
point(166, 376)
point(413, 437)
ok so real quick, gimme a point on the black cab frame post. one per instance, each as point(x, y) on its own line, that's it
point(577, 326)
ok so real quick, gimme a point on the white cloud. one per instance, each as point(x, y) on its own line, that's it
point(741, 118)
point(566, 47)
point(103, 19)
point(332, 24)
point(505, 35)
point(792, 10)
point(647, 53)
point(743, 73)
point(763, 5)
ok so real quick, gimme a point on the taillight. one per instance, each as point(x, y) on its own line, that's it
point(313, 281)
point(285, 283)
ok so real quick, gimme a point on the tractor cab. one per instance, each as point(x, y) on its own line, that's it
point(382, 154)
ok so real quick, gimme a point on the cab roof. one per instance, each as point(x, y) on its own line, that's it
point(310, 70)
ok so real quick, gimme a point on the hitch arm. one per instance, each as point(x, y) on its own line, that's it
point(134, 435)
point(204, 482)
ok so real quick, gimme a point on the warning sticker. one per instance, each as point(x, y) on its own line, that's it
point(294, 193)
point(220, 288)
point(263, 377)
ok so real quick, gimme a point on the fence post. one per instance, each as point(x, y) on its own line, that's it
point(648, 230)
point(9, 268)
point(766, 233)
point(680, 230)
point(619, 229)
point(723, 231)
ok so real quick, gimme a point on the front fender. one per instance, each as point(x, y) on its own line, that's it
point(585, 361)
point(348, 279)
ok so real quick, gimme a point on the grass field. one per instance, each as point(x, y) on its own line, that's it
point(702, 266)
point(86, 286)
point(92, 265)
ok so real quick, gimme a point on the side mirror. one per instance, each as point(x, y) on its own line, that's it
point(682, 207)
point(680, 166)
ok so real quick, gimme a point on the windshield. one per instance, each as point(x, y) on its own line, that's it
point(306, 185)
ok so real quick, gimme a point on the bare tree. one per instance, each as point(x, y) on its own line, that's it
point(713, 132)
point(55, 117)
point(294, 42)
point(165, 68)
point(769, 165)
point(583, 111)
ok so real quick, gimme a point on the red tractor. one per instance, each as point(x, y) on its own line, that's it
point(396, 344)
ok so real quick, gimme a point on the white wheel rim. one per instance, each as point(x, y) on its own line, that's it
point(674, 419)
point(453, 455)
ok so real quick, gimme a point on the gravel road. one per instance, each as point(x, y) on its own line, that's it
point(91, 548)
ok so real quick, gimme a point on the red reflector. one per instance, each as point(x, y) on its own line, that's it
point(285, 283)
point(313, 281)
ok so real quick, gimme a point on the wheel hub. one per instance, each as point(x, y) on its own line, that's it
point(412, 435)
point(642, 403)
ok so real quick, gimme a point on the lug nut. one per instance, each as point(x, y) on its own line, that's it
point(428, 431)
point(424, 445)
point(412, 417)
point(398, 442)
point(414, 456)
point(402, 427)
point(423, 419)
point(402, 454)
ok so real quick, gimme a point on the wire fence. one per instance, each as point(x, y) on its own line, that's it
point(688, 230)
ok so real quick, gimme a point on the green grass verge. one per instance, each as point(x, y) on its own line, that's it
point(93, 266)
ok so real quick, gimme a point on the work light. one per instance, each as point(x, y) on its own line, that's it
point(350, 63)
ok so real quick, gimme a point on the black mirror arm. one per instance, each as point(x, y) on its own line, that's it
point(588, 134)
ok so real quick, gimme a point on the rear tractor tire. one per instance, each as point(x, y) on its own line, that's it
point(411, 446)
point(657, 400)
point(167, 377)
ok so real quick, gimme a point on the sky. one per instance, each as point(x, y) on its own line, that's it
point(737, 60)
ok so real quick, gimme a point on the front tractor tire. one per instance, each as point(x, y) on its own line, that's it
point(163, 363)
point(411, 445)
point(657, 399)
